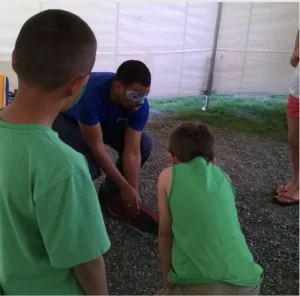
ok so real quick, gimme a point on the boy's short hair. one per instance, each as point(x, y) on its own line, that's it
point(133, 72)
point(53, 47)
point(190, 140)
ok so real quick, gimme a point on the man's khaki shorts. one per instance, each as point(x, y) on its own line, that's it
point(218, 289)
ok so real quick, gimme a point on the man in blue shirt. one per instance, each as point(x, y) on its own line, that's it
point(112, 110)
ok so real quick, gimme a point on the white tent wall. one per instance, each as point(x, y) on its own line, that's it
point(254, 47)
point(175, 39)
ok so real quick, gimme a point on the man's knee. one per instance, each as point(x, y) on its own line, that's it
point(59, 125)
point(146, 145)
point(67, 129)
point(69, 132)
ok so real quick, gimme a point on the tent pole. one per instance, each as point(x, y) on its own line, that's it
point(208, 91)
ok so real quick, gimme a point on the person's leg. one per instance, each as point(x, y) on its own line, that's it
point(69, 132)
point(290, 193)
point(294, 147)
point(115, 138)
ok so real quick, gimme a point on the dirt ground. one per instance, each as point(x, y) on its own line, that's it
point(256, 167)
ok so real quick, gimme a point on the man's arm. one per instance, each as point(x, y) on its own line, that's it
point(165, 236)
point(132, 157)
point(93, 137)
point(132, 149)
point(88, 119)
point(295, 57)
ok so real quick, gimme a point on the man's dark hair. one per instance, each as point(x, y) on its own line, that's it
point(53, 47)
point(190, 140)
point(133, 72)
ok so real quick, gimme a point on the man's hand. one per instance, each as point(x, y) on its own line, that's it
point(131, 199)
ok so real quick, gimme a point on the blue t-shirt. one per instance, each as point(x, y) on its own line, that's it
point(96, 107)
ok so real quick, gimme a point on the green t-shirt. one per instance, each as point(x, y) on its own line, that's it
point(209, 246)
point(50, 217)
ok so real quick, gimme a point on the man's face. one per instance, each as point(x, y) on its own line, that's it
point(131, 97)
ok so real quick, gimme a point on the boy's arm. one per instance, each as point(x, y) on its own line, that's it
point(295, 57)
point(92, 277)
point(165, 236)
point(74, 234)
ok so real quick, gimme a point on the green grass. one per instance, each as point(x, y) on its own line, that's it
point(265, 117)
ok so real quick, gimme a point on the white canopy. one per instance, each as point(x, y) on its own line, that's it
point(175, 39)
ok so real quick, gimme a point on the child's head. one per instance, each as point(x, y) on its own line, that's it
point(55, 53)
point(190, 140)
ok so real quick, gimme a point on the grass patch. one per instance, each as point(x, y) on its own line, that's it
point(262, 116)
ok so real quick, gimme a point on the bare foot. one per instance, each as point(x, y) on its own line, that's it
point(290, 196)
point(284, 188)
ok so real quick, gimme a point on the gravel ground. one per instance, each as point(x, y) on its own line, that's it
point(255, 166)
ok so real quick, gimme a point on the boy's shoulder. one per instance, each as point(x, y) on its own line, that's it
point(56, 161)
point(63, 155)
point(166, 173)
point(165, 179)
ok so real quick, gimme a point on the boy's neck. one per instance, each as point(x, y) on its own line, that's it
point(30, 107)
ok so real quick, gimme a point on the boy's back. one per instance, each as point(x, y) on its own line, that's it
point(52, 233)
point(44, 205)
point(202, 248)
point(208, 246)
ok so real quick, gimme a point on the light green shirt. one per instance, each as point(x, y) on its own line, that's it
point(209, 246)
point(50, 218)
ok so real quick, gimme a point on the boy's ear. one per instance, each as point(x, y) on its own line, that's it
point(173, 159)
point(74, 91)
point(77, 85)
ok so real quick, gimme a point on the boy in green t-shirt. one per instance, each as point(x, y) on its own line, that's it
point(52, 234)
point(202, 248)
